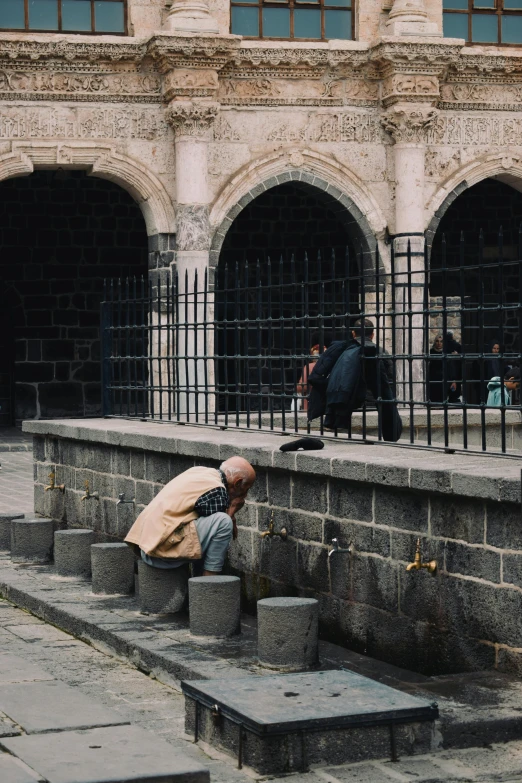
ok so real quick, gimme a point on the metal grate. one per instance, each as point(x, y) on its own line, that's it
point(232, 347)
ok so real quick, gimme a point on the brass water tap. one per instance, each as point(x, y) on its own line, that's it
point(417, 564)
point(270, 533)
point(52, 485)
point(88, 494)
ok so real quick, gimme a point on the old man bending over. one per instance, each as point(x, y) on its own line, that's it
point(194, 517)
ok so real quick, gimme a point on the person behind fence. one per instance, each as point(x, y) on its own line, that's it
point(193, 517)
point(302, 388)
point(438, 390)
point(500, 390)
point(351, 373)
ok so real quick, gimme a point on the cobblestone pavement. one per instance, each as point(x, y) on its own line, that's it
point(16, 482)
point(159, 708)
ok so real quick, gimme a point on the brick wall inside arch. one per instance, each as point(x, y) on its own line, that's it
point(61, 234)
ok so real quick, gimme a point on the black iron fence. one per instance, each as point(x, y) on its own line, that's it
point(430, 339)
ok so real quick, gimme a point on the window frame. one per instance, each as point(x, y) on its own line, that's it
point(27, 29)
point(499, 11)
point(292, 5)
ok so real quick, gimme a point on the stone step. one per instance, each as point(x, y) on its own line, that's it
point(13, 770)
point(126, 754)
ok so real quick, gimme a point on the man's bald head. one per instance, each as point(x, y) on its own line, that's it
point(240, 476)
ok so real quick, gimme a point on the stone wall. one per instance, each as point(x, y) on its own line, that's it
point(466, 513)
point(61, 235)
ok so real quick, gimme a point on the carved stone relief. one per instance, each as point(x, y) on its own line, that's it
point(461, 130)
point(192, 119)
point(193, 228)
point(79, 85)
point(81, 123)
point(328, 127)
point(409, 124)
point(410, 87)
point(200, 82)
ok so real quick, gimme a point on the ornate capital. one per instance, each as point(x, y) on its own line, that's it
point(192, 119)
point(409, 124)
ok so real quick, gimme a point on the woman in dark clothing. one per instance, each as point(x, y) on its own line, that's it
point(436, 371)
point(494, 365)
point(438, 392)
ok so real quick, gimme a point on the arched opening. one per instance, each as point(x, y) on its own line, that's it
point(475, 272)
point(288, 278)
point(61, 234)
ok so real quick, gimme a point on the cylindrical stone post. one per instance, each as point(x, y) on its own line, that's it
point(32, 540)
point(112, 569)
point(214, 605)
point(162, 590)
point(5, 528)
point(287, 633)
point(72, 552)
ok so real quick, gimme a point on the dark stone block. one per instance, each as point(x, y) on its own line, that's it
point(399, 508)
point(120, 462)
point(61, 371)
point(181, 464)
point(92, 396)
point(240, 554)
point(20, 350)
point(312, 567)
point(279, 489)
point(25, 401)
point(403, 546)
point(366, 538)
point(375, 582)
point(38, 448)
point(57, 350)
point(34, 372)
point(512, 569)
point(144, 492)
point(157, 468)
point(88, 371)
point(309, 494)
point(60, 399)
point(472, 561)
point(503, 525)
point(458, 518)
point(34, 350)
point(304, 526)
point(349, 499)
point(277, 559)
point(259, 490)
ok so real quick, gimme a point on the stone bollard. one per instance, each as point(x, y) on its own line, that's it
point(287, 633)
point(112, 569)
point(162, 590)
point(72, 552)
point(5, 529)
point(214, 605)
point(32, 540)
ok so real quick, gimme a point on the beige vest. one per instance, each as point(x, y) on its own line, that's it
point(165, 528)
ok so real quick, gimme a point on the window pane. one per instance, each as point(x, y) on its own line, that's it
point(513, 5)
point(455, 26)
point(43, 14)
point(484, 29)
point(108, 17)
point(276, 23)
point(343, 3)
point(338, 24)
point(512, 29)
point(307, 23)
point(12, 14)
point(457, 5)
point(491, 4)
point(245, 21)
point(76, 15)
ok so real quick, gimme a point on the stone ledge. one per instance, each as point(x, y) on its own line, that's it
point(162, 646)
point(471, 475)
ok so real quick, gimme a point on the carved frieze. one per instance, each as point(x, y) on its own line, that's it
point(192, 119)
point(26, 48)
point(78, 85)
point(470, 94)
point(190, 82)
point(329, 127)
point(81, 123)
point(410, 123)
point(410, 87)
point(474, 131)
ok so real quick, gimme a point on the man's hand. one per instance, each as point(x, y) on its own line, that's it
point(235, 506)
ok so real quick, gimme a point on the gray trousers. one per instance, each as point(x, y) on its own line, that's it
point(215, 535)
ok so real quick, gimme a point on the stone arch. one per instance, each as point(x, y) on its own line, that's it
point(103, 162)
point(348, 196)
point(504, 167)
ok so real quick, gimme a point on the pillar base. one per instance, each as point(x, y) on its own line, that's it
point(190, 16)
point(420, 29)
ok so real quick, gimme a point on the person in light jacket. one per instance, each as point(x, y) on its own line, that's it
point(499, 391)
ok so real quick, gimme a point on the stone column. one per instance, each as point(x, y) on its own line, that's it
point(409, 17)
point(408, 125)
point(192, 123)
point(190, 16)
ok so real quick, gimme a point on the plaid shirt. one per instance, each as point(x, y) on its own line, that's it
point(216, 499)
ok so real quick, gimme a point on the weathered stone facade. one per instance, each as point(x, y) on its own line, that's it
point(196, 123)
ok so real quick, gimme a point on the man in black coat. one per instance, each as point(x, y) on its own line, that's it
point(350, 374)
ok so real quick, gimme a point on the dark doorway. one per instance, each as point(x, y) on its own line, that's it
point(61, 234)
point(475, 263)
point(284, 256)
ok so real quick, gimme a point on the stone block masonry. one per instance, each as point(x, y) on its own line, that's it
point(465, 510)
